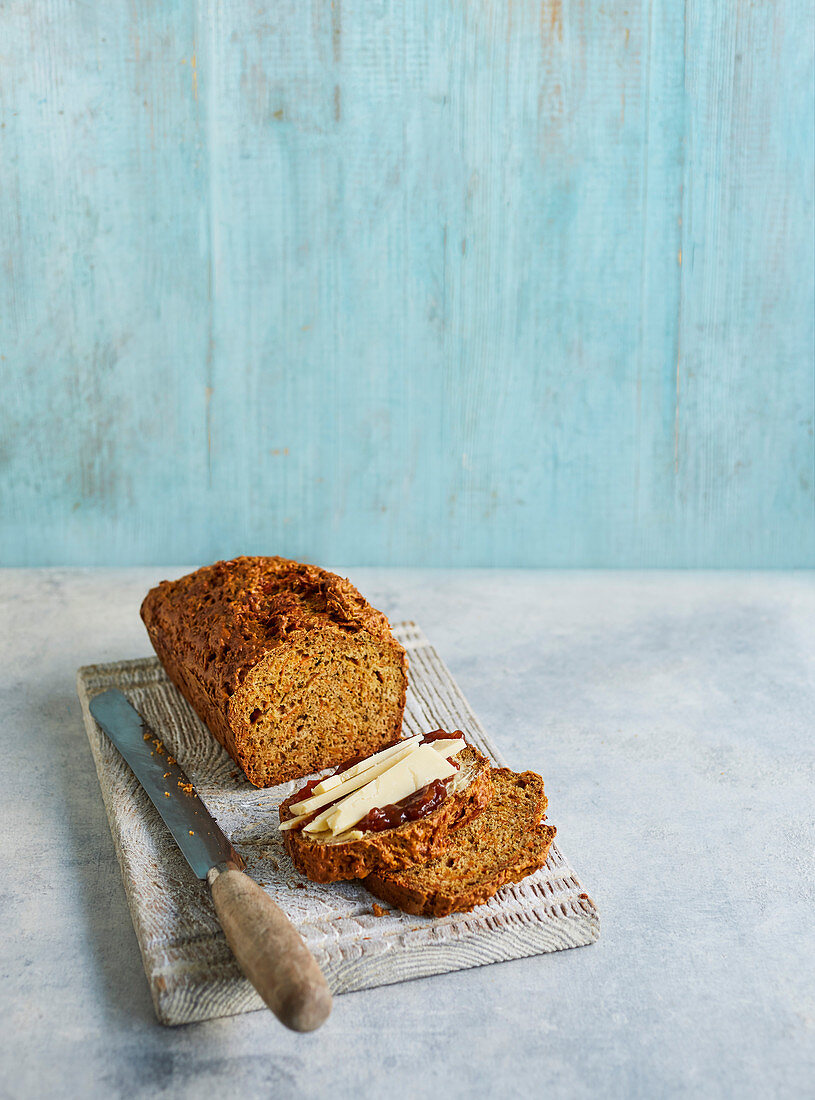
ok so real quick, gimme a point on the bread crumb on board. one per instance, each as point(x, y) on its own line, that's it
point(379, 911)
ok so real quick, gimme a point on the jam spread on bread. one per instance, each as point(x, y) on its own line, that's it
point(439, 735)
point(309, 787)
point(419, 804)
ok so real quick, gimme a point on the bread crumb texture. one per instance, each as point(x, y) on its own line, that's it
point(503, 844)
point(289, 667)
point(403, 845)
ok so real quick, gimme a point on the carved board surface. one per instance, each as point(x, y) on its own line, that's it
point(190, 969)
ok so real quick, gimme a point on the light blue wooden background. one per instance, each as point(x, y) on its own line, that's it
point(384, 282)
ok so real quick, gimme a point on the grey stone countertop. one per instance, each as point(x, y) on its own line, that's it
point(671, 715)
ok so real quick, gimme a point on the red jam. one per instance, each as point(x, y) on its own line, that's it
point(306, 791)
point(301, 795)
point(419, 804)
point(439, 735)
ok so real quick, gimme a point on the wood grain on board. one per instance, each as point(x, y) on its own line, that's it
point(189, 967)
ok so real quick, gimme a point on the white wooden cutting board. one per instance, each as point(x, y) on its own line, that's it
point(189, 966)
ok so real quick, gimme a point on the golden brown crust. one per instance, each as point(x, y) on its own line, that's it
point(504, 844)
point(238, 636)
point(408, 844)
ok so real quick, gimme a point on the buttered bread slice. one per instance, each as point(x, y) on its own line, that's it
point(504, 844)
point(388, 811)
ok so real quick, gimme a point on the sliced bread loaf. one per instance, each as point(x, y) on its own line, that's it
point(504, 844)
point(287, 664)
point(358, 851)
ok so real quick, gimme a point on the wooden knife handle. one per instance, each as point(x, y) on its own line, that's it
point(270, 950)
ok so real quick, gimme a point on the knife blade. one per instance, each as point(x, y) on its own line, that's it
point(195, 831)
point(267, 946)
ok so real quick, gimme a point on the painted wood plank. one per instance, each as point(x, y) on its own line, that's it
point(371, 282)
point(189, 967)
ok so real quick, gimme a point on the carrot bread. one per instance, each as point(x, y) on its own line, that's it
point(392, 810)
point(504, 844)
point(287, 664)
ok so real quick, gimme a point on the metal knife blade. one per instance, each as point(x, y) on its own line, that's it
point(268, 948)
point(194, 829)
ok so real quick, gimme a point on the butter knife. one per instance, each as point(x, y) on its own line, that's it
point(266, 945)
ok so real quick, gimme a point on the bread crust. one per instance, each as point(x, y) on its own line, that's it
point(391, 849)
point(420, 893)
point(219, 630)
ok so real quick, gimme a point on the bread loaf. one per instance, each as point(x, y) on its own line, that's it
point(287, 665)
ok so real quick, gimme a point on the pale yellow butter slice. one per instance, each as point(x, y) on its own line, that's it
point(319, 823)
point(334, 781)
point(316, 824)
point(418, 769)
point(359, 776)
point(448, 747)
point(352, 783)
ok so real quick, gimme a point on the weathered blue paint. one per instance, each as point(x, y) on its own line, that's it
point(384, 282)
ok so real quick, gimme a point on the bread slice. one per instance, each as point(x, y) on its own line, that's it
point(287, 664)
point(504, 844)
point(352, 855)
